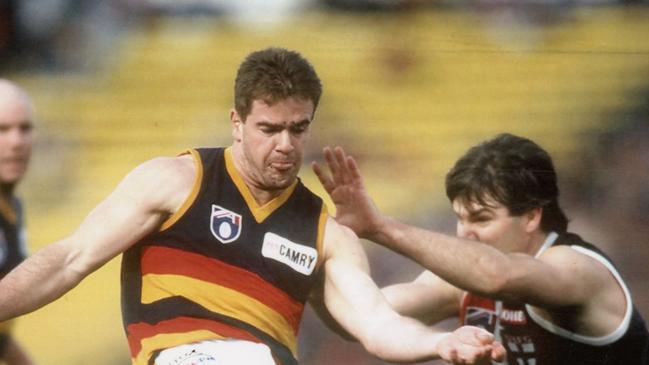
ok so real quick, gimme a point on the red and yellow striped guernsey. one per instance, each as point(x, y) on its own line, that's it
point(224, 267)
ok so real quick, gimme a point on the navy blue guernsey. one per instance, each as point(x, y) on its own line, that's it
point(532, 340)
point(12, 249)
point(224, 267)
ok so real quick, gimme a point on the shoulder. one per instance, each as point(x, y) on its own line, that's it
point(163, 181)
point(337, 234)
point(164, 171)
point(579, 263)
point(341, 243)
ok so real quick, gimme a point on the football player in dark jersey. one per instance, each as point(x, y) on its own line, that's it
point(513, 269)
point(15, 149)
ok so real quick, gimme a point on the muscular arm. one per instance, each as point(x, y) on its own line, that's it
point(137, 207)
point(357, 304)
point(561, 278)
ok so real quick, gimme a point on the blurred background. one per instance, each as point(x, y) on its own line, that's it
point(409, 86)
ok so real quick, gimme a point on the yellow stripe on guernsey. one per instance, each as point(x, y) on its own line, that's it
point(223, 300)
point(168, 340)
point(322, 223)
point(192, 195)
point(259, 212)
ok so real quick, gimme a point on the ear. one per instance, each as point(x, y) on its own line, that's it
point(237, 125)
point(533, 219)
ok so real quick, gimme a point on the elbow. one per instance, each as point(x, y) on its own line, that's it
point(78, 264)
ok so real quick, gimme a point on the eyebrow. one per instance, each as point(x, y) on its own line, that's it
point(284, 124)
point(23, 123)
point(479, 211)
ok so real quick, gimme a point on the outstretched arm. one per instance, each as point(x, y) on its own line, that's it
point(470, 265)
point(358, 305)
point(137, 206)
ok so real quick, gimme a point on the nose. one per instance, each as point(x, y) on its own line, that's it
point(465, 230)
point(284, 142)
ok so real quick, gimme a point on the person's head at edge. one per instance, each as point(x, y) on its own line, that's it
point(16, 124)
point(276, 93)
point(504, 192)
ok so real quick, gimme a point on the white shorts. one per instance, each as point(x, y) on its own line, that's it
point(217, 352)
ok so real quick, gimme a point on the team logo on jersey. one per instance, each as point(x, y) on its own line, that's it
point(299, 257)
point(513, 316)
point(225, 224)
point(481, 317)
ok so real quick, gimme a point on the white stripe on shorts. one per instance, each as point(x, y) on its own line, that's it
point(217, 352)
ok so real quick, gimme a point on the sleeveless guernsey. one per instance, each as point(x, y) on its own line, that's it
point(531, 340)
point(223, 267)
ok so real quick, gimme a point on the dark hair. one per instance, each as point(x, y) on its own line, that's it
point(515, 172)
point(274, 74)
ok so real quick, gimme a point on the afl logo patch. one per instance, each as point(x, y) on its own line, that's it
point(225, 224)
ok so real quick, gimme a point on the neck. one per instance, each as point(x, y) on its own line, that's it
point(536, 242)
point(262, 196)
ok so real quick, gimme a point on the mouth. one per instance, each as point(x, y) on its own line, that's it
point(13, 161)
point(282, 166)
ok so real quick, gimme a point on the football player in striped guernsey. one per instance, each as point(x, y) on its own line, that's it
point(224, 246)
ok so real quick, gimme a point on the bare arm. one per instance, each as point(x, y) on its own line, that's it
point(358, 305)
point(558, 280)
point(469, 265)
point(428, 298)
point(139, 204)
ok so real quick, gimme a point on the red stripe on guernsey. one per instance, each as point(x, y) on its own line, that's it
point(141, 331)
point(156, 260)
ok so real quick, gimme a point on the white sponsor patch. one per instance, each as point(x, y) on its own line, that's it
point(299, 257)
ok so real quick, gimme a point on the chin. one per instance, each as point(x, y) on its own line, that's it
point(281, 183)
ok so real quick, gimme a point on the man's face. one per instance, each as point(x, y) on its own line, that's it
point(272, 139)
point(15, 138)
point(492, 224)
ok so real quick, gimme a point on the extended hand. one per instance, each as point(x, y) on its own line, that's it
point(470, 345)
point(354, 207)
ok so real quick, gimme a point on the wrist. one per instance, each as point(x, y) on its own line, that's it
point(378, 228)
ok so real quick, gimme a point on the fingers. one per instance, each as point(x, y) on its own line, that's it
point(498, 352)
point(326, 182)
point(473, 345)
point(484, 337)
point(334, 165)
point(343, 168)
point(474, 336)
point(466, 354)
point(352, 167)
